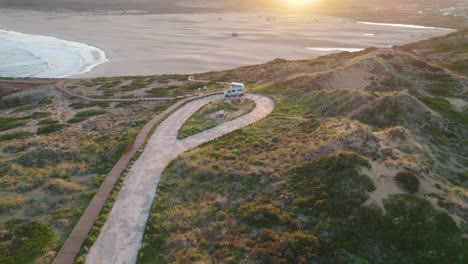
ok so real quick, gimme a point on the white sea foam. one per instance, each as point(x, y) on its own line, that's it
point(369, 34)
point(328, 49)
point(25, 55)
point(401, 25)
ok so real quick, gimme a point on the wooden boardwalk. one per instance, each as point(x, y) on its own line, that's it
point(59, 84)
point(72, 245)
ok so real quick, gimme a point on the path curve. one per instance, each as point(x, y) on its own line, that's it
point(121, 235)
point(72, 245)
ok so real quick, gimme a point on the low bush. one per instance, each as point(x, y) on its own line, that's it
point(324, 183)
point(444, 107)
point(45, 157)
point(47, 122)
point(408, 181)
point(89, 113)
point(37, 115)
point(76, 120)
point(25, 242)
point(421, 233)
point(81, 105)
point(7, 203)
point(15, 135)
point(261, 212)
point(62, 186)
point(10, 123)
point(47, 129)
point(294, 247)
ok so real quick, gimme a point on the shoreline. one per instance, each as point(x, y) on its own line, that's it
point(402, 25)
point(142, 44)
point(89, 56)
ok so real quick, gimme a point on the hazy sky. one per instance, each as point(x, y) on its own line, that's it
point(184, 6)
point(175, 5)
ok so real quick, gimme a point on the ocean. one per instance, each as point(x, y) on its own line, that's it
point(185, 44)
point(25, 55)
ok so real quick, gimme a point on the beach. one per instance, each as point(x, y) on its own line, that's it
point(137, 43)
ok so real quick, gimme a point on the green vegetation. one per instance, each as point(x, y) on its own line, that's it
point(293, 188)
point(89, 113)
point(47, 129)
point(10, 123)
point(7, 203)
point(324, 183)
point(316, 214)
point(84, 104)
point(31, 106)
point(205, 118)
point(445, 108)
point(37, 115)
point(24, 242)
point(15, 135)
point(42, 158)
point(48, 122)
point(51, 177)
point(75, 120)
point(63, 187)
point(408, 181)
point(445, 86)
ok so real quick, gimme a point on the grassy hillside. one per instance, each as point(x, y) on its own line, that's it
point(55, 151)
point(364, 160)
point(450, 51)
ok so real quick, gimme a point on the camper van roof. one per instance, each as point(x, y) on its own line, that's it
point(236, 83)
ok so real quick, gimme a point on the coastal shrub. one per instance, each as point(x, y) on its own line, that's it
point(45, 157)
point(47, 122)
point(261, 212)
point(89, 113)
point(126, 104)
point(10, 123)
point(37, 115)
point(420, 233)
point(110, 155)
point(47, 129)
point(445, 88)
point(75, 120)
point(24, 242)
point(324, 183)
point(444, 107)
point(408, 181)
point(15, 135)
point(62, 186)
point(82, 104)
point(32, 106)
point(7, 203)
point(288, 247)
point(11, 149)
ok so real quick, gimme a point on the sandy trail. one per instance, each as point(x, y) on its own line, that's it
point(121, 235)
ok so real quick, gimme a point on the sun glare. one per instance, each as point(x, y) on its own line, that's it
point(299, 3)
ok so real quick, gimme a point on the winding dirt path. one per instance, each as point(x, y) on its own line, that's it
point(121, 235)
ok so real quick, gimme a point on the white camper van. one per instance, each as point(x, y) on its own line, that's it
point(236, 90)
